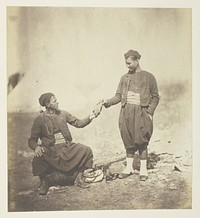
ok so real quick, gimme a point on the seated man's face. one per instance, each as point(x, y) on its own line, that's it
point(53, 103)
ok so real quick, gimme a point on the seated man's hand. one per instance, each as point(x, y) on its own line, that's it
point(97, 109)
point(38, 151)
point(92, 116)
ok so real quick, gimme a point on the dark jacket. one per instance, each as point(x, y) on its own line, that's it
point(149, 96)
point(43, 129)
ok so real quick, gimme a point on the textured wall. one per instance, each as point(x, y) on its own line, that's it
point(85, 46)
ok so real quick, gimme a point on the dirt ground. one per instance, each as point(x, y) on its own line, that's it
point(167, 187)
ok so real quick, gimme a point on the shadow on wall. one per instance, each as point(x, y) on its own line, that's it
point(13, 80)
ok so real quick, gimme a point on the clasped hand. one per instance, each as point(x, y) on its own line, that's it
point(97, 109)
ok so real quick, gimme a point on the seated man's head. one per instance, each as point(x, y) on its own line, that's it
point(48, 100)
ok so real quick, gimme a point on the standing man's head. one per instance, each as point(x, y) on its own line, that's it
point(132, 59)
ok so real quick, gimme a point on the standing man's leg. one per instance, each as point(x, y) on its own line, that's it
point(126, 127)
point(143, 152)
point(129, 164)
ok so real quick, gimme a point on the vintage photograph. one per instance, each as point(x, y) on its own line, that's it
point(99, 108)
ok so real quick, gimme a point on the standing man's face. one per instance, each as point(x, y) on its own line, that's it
point(131, 63)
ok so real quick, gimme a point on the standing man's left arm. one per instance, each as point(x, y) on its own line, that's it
point(154, 95)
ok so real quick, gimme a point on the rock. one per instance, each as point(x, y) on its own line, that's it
point(161, 177)
point(25, 154)
point(28, 192)
point(153, 170)
point(183, 163)
point(172, 186)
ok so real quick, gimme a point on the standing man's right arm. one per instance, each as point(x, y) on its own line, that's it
point(117, 98)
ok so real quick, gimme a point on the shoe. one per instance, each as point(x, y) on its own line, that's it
point(124, 175)
point(80, 182)
point(143, 178)
point(44, 187)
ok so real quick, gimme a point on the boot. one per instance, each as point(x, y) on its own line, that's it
point(44, 186)
point(80, 181)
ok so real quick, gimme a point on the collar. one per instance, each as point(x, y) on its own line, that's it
point(57, 112)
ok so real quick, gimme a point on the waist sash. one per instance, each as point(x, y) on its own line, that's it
point(59, 138)
point(133, 98)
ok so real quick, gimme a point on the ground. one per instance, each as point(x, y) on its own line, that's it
point(167, 187)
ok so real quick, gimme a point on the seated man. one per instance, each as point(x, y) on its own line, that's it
point(57, 151)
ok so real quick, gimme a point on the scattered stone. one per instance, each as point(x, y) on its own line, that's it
point(161, 177)
point(182, 164)
point(25, 154)
point(172, 186)
point(26, 192)
point(52, 188)
point(144, 183)
point(181, 168)
point(153, 170)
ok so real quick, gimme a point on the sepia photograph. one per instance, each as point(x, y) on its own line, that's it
point(99, 108)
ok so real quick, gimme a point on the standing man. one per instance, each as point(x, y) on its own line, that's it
point(138, 93)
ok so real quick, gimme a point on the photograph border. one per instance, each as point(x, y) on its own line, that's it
point(192, 213)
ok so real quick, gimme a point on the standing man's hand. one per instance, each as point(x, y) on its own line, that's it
point(104, 103)
point(150, 116)
point(38, 151)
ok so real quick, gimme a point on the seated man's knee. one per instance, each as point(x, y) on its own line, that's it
point(89, 150)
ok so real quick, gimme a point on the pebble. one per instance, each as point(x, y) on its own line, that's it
point(25, 192)
point(161, 177)
point(153, 170)
point(172, 187)
point(143, 183)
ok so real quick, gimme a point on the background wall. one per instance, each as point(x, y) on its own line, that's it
point(60, 49)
